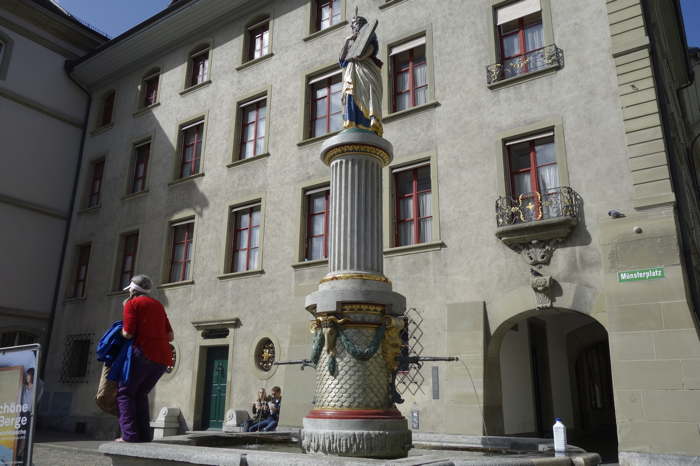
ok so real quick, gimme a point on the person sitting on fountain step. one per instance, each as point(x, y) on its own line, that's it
point(260, 410)
point(269, 424)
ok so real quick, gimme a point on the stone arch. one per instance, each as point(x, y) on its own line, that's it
point(502, 315)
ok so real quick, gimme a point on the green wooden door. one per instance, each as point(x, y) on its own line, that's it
point(215, 388)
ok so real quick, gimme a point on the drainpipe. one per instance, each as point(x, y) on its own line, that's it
point(56, 292)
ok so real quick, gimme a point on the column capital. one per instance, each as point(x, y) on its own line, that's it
point(357, 142)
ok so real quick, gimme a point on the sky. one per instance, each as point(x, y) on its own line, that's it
point(116, 16)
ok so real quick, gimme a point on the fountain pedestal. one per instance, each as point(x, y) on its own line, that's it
point(356, 313)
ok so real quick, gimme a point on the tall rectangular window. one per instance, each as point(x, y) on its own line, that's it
point(414, 218)
point(191, 148)
point(181, 254)
point(533, 168)
point(253, 128)
point(410, 74)
point(521, 37)
point(77, 289)
point(150, 89)
point(317, 218)
point(107, 108)
point(326, 109)
point(199, 66)
point(259, 40)
point(140, 168)
point(246, 239)
point(129, 247)
point(95, 187)
point(327, 13)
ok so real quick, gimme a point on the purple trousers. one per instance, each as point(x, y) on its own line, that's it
point(132, 398)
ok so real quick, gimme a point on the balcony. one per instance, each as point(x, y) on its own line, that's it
point(549, 57)
point(535, 216)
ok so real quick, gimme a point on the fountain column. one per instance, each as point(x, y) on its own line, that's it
point(356, 314)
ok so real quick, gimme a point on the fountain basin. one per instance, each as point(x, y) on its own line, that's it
point(283, 448)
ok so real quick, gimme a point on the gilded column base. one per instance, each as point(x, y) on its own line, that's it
point(363, 438)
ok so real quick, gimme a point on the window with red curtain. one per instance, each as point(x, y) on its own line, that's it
point(253, 129)
point(317, 213)
point(126, 268)
point(522, 45)
point(191, 149)
point(150, 89)
point(107, 109)
point(327, 13)
point(410, 75)
point(533, 169)
point(181, 254)
point(199, 67)
point(414, 220)
point(246, 239)
point(96, 184)
point(259, 40)
point(326, 109)
point(141, 156)
point(81, 270)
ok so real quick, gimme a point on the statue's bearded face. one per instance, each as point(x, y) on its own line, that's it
point(357, 24)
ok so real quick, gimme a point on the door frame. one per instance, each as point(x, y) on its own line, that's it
point(200, 363)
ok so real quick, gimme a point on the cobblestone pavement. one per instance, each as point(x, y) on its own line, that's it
point(49, 455)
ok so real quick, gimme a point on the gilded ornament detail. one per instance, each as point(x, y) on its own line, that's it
point(357, 149)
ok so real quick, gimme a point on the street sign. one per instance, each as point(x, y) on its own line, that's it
point(651, 273)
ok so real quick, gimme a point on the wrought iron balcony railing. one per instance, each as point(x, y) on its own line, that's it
point(531, 207)
point(549, 56)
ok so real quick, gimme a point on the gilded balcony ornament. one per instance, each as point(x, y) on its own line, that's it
point(549, 56)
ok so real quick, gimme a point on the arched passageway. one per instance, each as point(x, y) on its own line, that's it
point(546, 364)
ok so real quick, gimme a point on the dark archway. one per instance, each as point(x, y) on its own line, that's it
point(546, 364)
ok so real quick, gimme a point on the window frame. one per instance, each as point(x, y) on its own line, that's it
point(134, 164)
point(415, 208)
point(495, 50)
point(245, 109)
point(170, 250)
point(262, 20)
point(554, 125)
point(90, 191)
point(123, 251)
point(390, 233)
point(263, 94)
point(388, 73)
point(411, 65)
point(326, 190)
point(103, 106)
point(5, 54)
point(230, 237)
point(182, 126)
point(312, 87)
point(317, 14)
point(151, 74)
point(235, 232)
point(194, 53)
point(81, 257)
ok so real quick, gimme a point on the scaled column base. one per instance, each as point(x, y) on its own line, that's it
point(364, 438)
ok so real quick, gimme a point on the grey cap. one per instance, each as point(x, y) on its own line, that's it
point(143, 281)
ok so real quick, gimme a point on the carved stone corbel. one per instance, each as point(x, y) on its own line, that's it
point(537, 253)
point(541, 285)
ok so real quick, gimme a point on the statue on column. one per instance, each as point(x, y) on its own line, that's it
point(362, 77)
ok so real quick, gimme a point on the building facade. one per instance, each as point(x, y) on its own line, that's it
point(571, 299)
point(42, 113)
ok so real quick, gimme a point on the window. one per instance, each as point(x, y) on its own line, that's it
point(139, 168)
point(317, 218)
point(76, 358)
point(129, 246)
point(198, 67)
point(414, 220)
point(77, 287)
point(149, 88)
point(326, 110)
point(107, 108)
point(327, 13)
point(181, 254)
point(95, 186)
point(6, 43)
point(191, 148)
point(253, 128)
point(259, 39)
point(17, 338)
point(410, 74)
point(521, 39)
point(533, 169)
point(246, 239)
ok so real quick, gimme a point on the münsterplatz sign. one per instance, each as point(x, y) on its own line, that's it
point(643, 274)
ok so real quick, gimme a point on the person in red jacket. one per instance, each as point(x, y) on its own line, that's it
point(147, 324)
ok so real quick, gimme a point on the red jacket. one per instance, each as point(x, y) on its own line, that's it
point(145, 318)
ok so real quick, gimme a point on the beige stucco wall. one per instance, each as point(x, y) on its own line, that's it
point(464, 288)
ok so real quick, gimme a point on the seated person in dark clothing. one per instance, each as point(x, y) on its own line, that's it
point(270, 422)
point(260, 410)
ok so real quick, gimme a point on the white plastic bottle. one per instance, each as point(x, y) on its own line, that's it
point(559, 431)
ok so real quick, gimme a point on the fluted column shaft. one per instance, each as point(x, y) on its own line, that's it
point(355, 243)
